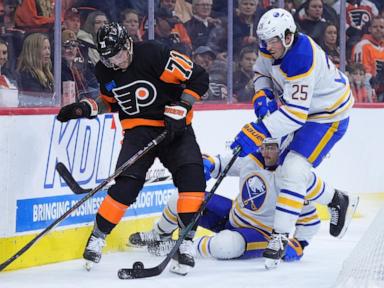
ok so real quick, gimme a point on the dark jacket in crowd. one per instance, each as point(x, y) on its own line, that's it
point(198, 32)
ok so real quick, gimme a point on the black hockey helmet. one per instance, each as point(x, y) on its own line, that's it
point(111, 38)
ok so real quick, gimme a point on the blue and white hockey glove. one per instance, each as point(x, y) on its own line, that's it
point(250, 138)
point(294, 250)
point(263, 103)
point(209, 166)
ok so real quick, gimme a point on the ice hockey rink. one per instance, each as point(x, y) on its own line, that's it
point(318, 268)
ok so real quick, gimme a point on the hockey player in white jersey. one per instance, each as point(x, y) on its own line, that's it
point(243, 227)
point(316, 99)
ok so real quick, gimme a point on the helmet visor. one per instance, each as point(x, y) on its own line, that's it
point(106, 62)
point(270, 147)
point(114, 60)
point(119, 57)
point(271, 42)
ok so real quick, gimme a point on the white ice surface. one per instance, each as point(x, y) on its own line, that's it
point(318, 268)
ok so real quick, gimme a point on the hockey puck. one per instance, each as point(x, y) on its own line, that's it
point(138, 265)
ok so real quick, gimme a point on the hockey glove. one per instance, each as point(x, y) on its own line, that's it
point(250, 138)
point(175, 116)
point(86, 108)
point(209, 166)
point(264, 103)
point(294, 250)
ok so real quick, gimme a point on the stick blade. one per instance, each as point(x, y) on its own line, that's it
point(69, 180)
point(138, 270)
point(130, 273)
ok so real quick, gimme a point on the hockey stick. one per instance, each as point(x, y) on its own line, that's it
point(77, 189)
point(118, 171)
point(69, 180)
point(138, 270)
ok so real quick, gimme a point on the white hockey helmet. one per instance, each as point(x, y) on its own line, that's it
point(272, 141)
point(276, 22)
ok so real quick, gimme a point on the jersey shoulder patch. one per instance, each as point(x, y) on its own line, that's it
point(104, 76)
point(299, 60)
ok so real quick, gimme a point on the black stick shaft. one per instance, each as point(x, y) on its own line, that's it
point(127, 273)
point(98, 188)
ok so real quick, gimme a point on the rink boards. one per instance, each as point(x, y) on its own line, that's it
point(33, 196)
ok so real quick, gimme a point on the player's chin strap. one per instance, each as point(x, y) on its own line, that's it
point(138, 270)
point(287, 46)
point(98, 188)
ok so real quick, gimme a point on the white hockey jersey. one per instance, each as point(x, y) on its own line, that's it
point(309, 85)
point(254, 206)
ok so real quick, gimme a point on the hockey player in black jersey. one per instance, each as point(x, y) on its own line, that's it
point(152, 88)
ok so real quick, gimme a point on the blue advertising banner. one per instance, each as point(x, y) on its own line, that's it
point(38, 213)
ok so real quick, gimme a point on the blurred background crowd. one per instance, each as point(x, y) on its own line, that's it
point(37, 71)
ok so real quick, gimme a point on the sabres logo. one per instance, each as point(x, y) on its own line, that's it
point(254, 192)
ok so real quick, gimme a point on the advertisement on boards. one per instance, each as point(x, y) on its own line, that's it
point(89, 148)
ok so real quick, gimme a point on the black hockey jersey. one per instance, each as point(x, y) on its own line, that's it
point(156, 77)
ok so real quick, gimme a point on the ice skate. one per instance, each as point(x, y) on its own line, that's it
point(93, 251)
point(342, 208)
point(183, 260)
point(275, 250)
point(160, 248)
point(141, 239)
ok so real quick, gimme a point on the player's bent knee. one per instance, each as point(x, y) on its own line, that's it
point(227, 245)
point(126, 189)
point(295, 169)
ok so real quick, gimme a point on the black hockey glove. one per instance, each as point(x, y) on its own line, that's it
point(86, 108)
point(175, 117)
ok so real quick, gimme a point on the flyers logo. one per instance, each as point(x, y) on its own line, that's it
point(359, 17)
point(135, 95)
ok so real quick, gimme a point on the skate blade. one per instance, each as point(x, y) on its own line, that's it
point(133, 246)
point(270, 264)
point(88, 265)
point(353, 202)
point(157, 251)
point(179, 269)
point(130, 244)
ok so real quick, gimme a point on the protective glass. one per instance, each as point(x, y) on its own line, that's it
point(218, 91)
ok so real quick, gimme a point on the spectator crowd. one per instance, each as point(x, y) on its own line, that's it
point(197, 28)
